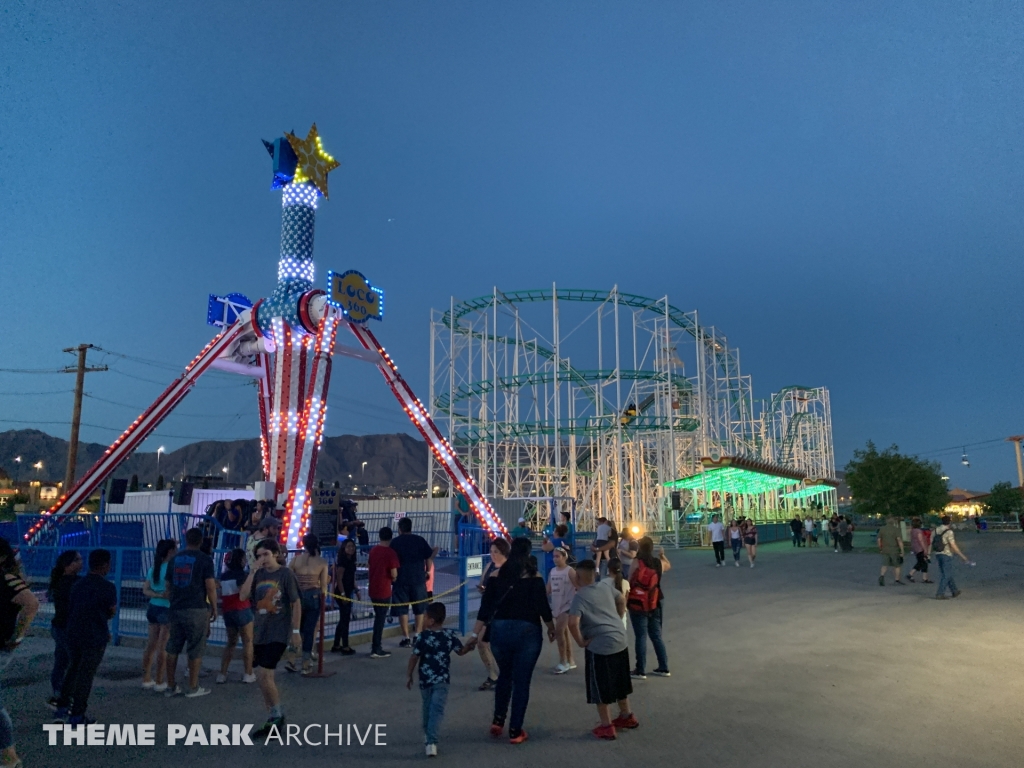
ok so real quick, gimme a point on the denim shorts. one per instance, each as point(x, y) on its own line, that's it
point(238, 619)
point(158, 614)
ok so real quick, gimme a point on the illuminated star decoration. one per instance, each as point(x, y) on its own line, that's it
point(314, 164)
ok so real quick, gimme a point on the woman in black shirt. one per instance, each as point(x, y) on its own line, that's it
point(62, 579)
point(513, 606)
point(344, 584)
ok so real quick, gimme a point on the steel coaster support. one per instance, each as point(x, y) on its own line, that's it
point(265, 396)
point(137, 432)
point(442, 450)
point(310, 431)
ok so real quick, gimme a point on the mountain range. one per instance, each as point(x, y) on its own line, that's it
point(392, 461)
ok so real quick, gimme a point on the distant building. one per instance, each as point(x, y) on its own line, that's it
point(964, 503)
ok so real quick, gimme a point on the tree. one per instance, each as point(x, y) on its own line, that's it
point(889, 483)
point(1004, 500)
point(133, 486)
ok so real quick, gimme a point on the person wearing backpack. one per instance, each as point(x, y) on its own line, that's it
point(645, 606)
point(944, 547)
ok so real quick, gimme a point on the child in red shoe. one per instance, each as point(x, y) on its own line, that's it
point(595, 623)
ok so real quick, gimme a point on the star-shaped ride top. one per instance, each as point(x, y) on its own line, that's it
point(313, 163)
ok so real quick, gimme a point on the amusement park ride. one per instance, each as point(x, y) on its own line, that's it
point(286, 342)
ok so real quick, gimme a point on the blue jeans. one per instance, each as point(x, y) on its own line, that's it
point(380, 615)
point(516, 647)
point(434, 698)
point(61, 658)
point(737, 547)
point(310, 618)
point(645, 624)
point(945, 574)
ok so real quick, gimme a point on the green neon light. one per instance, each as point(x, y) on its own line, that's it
point(733, 480)
point(811, 490)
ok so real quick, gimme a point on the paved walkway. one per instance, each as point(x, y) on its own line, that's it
point(801, 661)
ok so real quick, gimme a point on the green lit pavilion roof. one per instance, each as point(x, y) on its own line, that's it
point(810, 490)
point(733, 480)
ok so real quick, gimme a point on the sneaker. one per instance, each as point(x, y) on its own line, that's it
point(291, 667)
point(221, 678)
point(606, 732)
point(197, 692)
point(264, 729)
point(348, 651)
point(431, 750)
point(942, 597)
point(159, 687)
point(147, 684)
point(379, 654)
point(487, 685)
point(662, 673)
point(406, 643)
point(560, 669)
point(957, 593)
point(336, 649)
point(175, 691)
point(81, 720)
point(307, 668)
point(61, 715)
point(751, 564)
point(572, 665)
point(899, 582)
point(519, 738)
point(52, 703)
point(737, 563)
point(881, 581)
point(910, 578)
point(636, 674)
point(626, 721)
point(497, 729)
point(249, 678)
point(718, 565)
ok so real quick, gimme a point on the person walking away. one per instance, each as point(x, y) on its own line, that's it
point(432, 653)
point(561, 591)
point(410, 591)
point(735, 540)
point(596, 626)
point(193, 598)
point(238, 616)
point(749, 528)
point(344, 587)
point(890, 544)
point(18, 607)
point(311, 573)
point(274, 591)
point(833, 531)
point(158, 616)
point(93, 604)
point(717, 533)
point(383, 566)
point(514, 605)
point(645, 607)
point(797, 529)
point(62, 578)
point(944, 546)
point(600, 545)
point(919, 546)
point(499, 554)
point(626, 550)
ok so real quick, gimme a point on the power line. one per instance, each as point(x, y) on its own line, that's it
point(31, 370)
point(47, 392)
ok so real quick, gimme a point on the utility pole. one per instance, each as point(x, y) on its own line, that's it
point(76, 416)
point(1016, 440)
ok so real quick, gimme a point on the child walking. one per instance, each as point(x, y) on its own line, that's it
point(431, 652)
point(561, 591)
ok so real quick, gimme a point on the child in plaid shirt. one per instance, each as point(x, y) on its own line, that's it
point(432, 654)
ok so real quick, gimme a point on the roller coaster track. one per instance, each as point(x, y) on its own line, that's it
point(589, 427)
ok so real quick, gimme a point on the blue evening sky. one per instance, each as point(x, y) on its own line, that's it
point(836, 186)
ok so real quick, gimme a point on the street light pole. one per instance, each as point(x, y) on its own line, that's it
point(17, 472)
point(159, 450)
point(225, 471)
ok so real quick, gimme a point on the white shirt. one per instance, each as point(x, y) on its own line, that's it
point(808, 525)
point(717, 531)
point(603, 532)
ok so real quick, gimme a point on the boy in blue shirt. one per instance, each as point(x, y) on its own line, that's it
point(432, 653)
